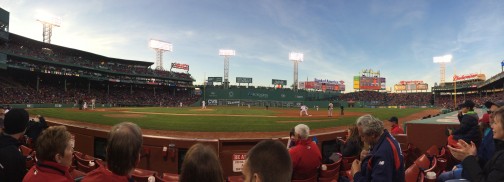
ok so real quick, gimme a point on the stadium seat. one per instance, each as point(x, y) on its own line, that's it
point(432, 151)
point(311, 179)
point(170, 177)
point(142, 175)
point(346, 162)
point(412, 173)
point(332, 171)
point(235, 179)
point(423, 162)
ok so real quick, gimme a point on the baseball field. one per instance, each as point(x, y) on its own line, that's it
point(190, 120)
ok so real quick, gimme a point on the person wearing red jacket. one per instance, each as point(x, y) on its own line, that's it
point(395, 128)
point(305, 155)
point(54, 153)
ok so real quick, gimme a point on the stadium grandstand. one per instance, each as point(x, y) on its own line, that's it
point(35, 74)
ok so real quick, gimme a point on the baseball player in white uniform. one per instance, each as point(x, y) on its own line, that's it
point(303, 109)
point(203, 106)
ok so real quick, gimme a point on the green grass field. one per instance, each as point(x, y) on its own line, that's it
point(218, 119)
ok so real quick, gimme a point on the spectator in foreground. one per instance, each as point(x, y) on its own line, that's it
point(201, 164)
point(469, 129)
point(54, 154)
point(384, 161)
point(353, 144)
point(35, 127)
point(123, 154)
point(13, 164)
point(268, 161)
point(492, 171)
point(395, 128)
point(305, 155)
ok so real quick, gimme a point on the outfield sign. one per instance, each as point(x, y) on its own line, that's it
point(238, 161)
point(243, 80)
point(278, 82)
point(214, 79)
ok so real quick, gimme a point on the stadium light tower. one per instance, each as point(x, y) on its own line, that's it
point(160, 47)
point(227, 53)
point(442, 60)
point(48, 22)
point(296, 57)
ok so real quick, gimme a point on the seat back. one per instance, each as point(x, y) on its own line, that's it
point(411, 174)
point(142, 175)
point(170, 177)
point(423, 162)
point(235, 179)
point(432, 151)
point(311, 179)
point(346, 163)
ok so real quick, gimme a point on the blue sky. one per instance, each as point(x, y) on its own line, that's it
point(338, 38)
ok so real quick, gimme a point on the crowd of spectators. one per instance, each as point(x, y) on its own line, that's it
point(28, 48)
point(391, 99)
point(52, 92)
point(447, 101)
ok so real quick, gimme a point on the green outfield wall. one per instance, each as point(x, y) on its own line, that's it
point(54, 105)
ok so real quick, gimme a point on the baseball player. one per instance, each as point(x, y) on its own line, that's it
point(203, 106)
point(330, 109)
point(303, 109)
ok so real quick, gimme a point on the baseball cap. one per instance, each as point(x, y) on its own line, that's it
point(489, 104)
point(467, 103)
point(15, 121)
point(485, 118)
point(394, 119)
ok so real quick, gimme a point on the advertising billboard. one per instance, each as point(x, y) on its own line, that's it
point(243, 80)
point(214, 79)
point(411, 87)
point(278, 82)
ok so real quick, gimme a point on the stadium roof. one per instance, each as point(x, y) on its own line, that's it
point(77, 52)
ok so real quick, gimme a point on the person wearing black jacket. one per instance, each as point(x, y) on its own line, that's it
point(35, 127)
point(469, 129)
point(494, 168)
point(12, 162)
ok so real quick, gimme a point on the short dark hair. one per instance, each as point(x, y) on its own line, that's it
point(52, 141)
point(271, 161)
point(123, 147)
point(201, 164)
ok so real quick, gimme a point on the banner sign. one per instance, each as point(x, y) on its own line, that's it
point(243, 80)
point(278, 82)
point(214, 79)
point(464, 77)
point(410, 82)
point(409, 87)
point(180, 66)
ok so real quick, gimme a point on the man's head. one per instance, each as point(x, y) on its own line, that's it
point(370, 129)
point(394, 119)
point(467, 106)
point(15, 121)
point(123, 148)
point(302, 131)
point(493, 106)
point(268, 161)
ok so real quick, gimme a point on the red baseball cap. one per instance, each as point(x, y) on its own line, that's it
point(485, 118)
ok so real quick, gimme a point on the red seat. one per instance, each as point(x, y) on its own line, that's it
point(432, 151)
point(311, 179)
point(423, 162)
point(346, 162)
point(142, 175)
point(329, 174)
point(84, 168)
point(26, 151)
point(411, 174)
point(235, 179)
point(170, 177)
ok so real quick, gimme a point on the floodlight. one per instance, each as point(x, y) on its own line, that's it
point(296, 56)
point(156, 44)
point(48, 18)
point(442, 59)
point(227, 52)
